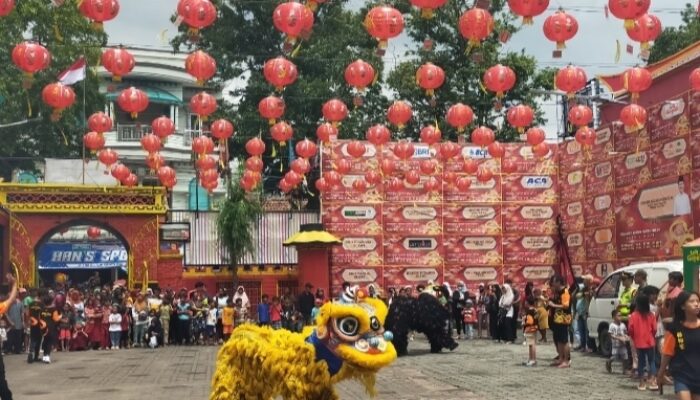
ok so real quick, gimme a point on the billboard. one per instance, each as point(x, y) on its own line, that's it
point(82, 256)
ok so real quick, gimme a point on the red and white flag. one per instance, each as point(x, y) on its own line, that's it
point(74, 74)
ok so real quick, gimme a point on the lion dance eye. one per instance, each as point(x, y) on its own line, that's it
point(374, 323)
point(349, 326)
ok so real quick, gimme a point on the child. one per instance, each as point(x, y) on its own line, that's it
point(241, 313)
point(642, 330)
point(80, 340)
point(469, 318)
point(65, 326)
point(165, 310)
point(276, 313)
point(264, 312)
point(115, 327)
point(155, 331)
point(316, 310)
point(3, 334)
point(542, 315)
point(228, 316)
point(530, 329)
point(124, 338)
point(212, 317)
point(618, 335)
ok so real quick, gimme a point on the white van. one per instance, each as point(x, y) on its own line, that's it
point(607, 297)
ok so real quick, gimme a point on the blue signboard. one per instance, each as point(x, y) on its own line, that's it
point(82, 256)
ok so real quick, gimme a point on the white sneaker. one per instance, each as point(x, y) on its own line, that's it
point(46, 360)
point(116, 348)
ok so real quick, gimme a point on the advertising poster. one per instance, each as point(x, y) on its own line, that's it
point(522, 274)
point(345, 192)
point(398, 277)
point(347, 219)
point(359, 250)
point(570, 154)
point(572, 216)
point(694, 110)
point(695, 148)
point(530, 188)
point(421, 152)
point(412, 193)
point(476, 153)
point(82, 256)
point(572, 185)
point(670, 158)
point(654, 221)
point(473, 250)
point(335, 151)
point(669, 119)
point(599, 178)
point(486, 192)
point(471, 219)
point(472, 276)
point(530, 219)
point(575, 243)
point(599, 210)
point(629, 141)
point(528, 163)
point(413, 219)
point(534, 250)
point(632, 169)
point(356, 275)
point(603, 145)
point(413, 250)
point(600, 244)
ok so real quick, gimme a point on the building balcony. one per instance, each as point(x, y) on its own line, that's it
point(134, 133)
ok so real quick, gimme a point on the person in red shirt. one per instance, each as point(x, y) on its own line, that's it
point(642, 331)
point(5, 393)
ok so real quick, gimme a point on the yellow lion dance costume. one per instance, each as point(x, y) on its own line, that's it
point(348, 342)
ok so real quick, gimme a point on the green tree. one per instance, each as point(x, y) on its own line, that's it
point(675, 39)
point(68, 36)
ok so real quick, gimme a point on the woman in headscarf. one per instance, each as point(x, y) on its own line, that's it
point(506, 314)
point(241, 294)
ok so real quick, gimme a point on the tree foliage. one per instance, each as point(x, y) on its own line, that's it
point(675, 39)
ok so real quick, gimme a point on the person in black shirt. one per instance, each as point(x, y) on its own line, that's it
point(306, 303)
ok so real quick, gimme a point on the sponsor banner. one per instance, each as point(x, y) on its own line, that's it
point(473, 276)
point(629, 142)
point(356, 275)
point(655, 220)
point(695, 148)
point(572, 216)
point(346, 219)
point(411, 276)
point(633, 168)
point(575, 242)
point(570, 155)
point(599, 178)
point(694, 109)
point(528, 163)
point(669, 119)
point(572, 185)
point(670, 158)
point(486, 192)
point(81, 256)
point(421, 152)
point(473, 250)
point(599, 210)
point(603, 145)
point(345, 192)
point(530, 188)
point(530, 219)
point(414, 219)
point(337, 150)
point(360, 250)
point(529, 249)
point(413, 193)
point(476, 153)
point(600, 244)
point(522, 274)
point(413, 250)
point(472, 219)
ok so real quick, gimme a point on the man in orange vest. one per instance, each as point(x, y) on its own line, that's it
point(5, 393)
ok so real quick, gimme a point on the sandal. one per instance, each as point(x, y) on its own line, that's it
point(564, 365)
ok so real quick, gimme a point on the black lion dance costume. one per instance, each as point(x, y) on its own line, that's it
point(425, 315)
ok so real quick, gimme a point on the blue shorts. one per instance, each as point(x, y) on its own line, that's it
point(680, 386)
point(211, 329)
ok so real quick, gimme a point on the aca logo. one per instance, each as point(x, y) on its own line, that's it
point(475, 152)
point(536, 182)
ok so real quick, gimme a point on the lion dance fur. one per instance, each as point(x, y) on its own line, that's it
point(348, 341)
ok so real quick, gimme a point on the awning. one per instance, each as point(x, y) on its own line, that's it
point(155, 95)
point(312, 234)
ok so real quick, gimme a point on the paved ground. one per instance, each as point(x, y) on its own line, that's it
point(477, 370)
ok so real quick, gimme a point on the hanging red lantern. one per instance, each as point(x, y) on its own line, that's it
point(94, 232)
point(306, 148)
point(483, 136)
point(99, 11)
point(250, 176)
point(528, 9)
point(313, 4)
point(255, 147)
point(201, 66)
point(293, 178)
point(560, 27)
point(209, 186)
point(326, 131)
point(459, 116)
point(222, 129)
point(463, 184)
point(496, 150)
point(119, 62)
point(155, 161)
point(427, 167)
point(387, 166)
point(399, 113)
point(332, 177)
point(427, 7)
point(646, 28)
point(203, 104)
point(167, 176)
point(100, 122)
point(378, 135)
point(300, 165)
point(535, 136)
point(499, 79)
point(30, 58)
point(289, 18)
point(540, 150)
point(93, 141)
point(384, 23)
point(585, 136)
point(695, 79)
point(163, 127)
point(359, 74)
point(254, 163)
point(197, 14)
point(628, 10)
point(430, 135)
point(209, 162)
point(394, 185)
point(343, 166)
point(431, 185)
point(448, 150)
point(59, 97)
point(634, 117)
point(151, 143)
point(280, 72)
point(108, 157)
point(285, 186)
point(372, 177)
point(404, 150)
point(430, 77)
point(359, 185)
point(470, 166)
point(202, 145)
point(412, 177)
point(6, 7)
point(281, 132)
point(484, 175)
point(570, 79)
point(133, 101)
point(131, 180)
point(120, 172)
point(321, 185)
point(580, 115)
point(636, 80)
point(211, 175)
point(508, 166)
point(356, 149)
point(520, 117)
point(334, 111)
point(449, 177)
point(476, 25)
point(271, 108)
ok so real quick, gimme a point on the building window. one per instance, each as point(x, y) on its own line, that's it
point(198, 198)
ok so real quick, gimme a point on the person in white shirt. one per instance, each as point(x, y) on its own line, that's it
point(681, 202)
point(115, 327)
point(212, 317)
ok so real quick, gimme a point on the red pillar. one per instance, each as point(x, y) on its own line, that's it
point(314, 267)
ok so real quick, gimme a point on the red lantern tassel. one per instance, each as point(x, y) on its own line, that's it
point(527, 21)
point(561, 45)
point(134, 115)
point(427, 13)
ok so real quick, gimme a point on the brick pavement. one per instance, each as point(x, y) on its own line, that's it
point(477, 370)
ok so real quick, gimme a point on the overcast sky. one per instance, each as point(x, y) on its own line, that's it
point(147, 23)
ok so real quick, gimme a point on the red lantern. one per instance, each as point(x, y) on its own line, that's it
point(197, 14)
point(334, 111)
point(629, 10)
point(99, 11)
point(300, 165)
point(6, 7)
point(636, 80)
point(332, 177)
point(119, 62)
point(326, 131)
point(484, 175)
point(359, 74)
point(427, 167)
point(427, 7)
point(281, 132)
point(528, 9)
point(94, 232)
point(31, 58)
point(356, 149)
point(634, 117)
point(483, 136)
point(372, 177)
point(360, 185)
point(155, 161)
point(570, 79)
point(448, 150)
point(306, 148)
point(167, 176)
point(508, 166)
point(394, 185)
point(463, 184)
point(496, 150)
point(585, 136)
point(541, 150)
point(378, 135)
point(430, 135)
point(131, 180)
point(285, 186)
point(203, 104)
point(212, 175)
point(313, 4)
point(93, 141)
point(404, 150)
point(430, 77)
point(399, 113)
point(470, 166)
point(99, 122)
point(535, 136)
point(289, 18)
point(580, 115)
point(201, 66)
point(449, 177)
point(499, 79)
point(133, 101)
point(560, 27)
point(254, 164)
point(108, 157)
point(343, 166)
point(59, 97)
point(271, 108)
point(255, 147)
point(163, 127)
point(151, 143)
point(321, 185)
point(280, 72)
point(646, 28)
point(384, 23)
point(202, 145)
point(459, 116)
point(412, 177)
point(476, 25)
point(222, 129)
point(293, 178)
point(211, 185)
point(387, 166)
point(209, 162)
point(695, 79)
point(120, 172)
point(431, 185)
point(520, 117)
